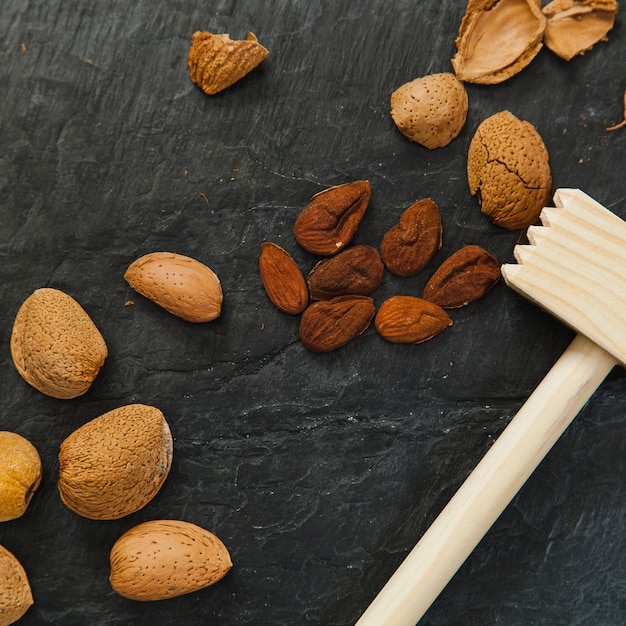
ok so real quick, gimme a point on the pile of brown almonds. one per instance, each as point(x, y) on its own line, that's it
point(341, 284)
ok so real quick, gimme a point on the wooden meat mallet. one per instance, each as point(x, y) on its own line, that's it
point(575, 268)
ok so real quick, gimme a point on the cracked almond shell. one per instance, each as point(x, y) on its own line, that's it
point(162, 559)
point(217, 61)
point(508, 170)
point(574, 26)
point(497, 39)
point(55, 345)
point(430, 110)
point(115, 464)
point(15, 593)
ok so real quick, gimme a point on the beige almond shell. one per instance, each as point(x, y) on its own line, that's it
point(163, 559)
point(55, 345)
point(497, 39)
point(574, 26)
point(217, 61)
point(115, 464)
point(430, 110)
point(15, 593)
point(20, 474)
point(508, 170)
point(181, 285)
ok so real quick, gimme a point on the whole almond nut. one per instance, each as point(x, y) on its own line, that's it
point(162, 559)
point(408, 246)
point(282, 279)
point(462, 278)
point(407, 319)
point(217, 62)
point(16, 596)
point(329, 324)
point(55, 345)
point(115, 464)
point(357, 270)
point(430, 110)
point(20, 474)
point(328, 223)
point(508, 171)
point(497, 39)
point(179, 284)
point(575, 26)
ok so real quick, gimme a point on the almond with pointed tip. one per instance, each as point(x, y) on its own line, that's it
point(115, 464)
point(55, 345)
point(20, 474)
point(430, 110)
point(282, 279)
point(181, 285)
point(162, 559)
point(217, 61)
point(15, 593)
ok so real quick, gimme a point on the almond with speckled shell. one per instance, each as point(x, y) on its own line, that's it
point(15, 594)
point(508, 170)
point(181, 285)
point(55, 345)
point(115, 464)
point(430, 110)
point(163, 559)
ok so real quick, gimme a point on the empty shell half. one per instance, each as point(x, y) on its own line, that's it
point(497, 39)
point(217, 61)
point(575, 26)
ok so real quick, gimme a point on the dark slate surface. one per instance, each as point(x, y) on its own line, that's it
point(319, 472)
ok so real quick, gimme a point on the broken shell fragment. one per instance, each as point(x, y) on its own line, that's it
point(497, 39)
point(574, 26)
point(217, 62)
point(430, 110)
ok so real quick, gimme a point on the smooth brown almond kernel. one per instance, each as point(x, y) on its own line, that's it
point(282, 279)
point(497, 39)
point(20, 474)
point(217, 62)
point(430, 110)
point(409, 246)
point(357, 270)
point(407, 319)
point(575, 26)
point(508, 171)
point(462, 278)
point(162, 559)
point(181, 285)
point(15, 594)
point(328, 223)
point(55, 345)
point(115, 464)
point(329, 324)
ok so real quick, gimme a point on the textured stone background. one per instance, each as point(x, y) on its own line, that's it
point(319, 472)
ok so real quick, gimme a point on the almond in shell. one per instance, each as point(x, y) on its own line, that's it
point(217, 61)
point(115, 464)
point(15, 593)
point(55, 345)
point(181, 285)
point(162, 559)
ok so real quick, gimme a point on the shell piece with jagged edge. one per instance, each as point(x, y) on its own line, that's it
point(574, 26)
point(217, 61)
point(497, 39)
